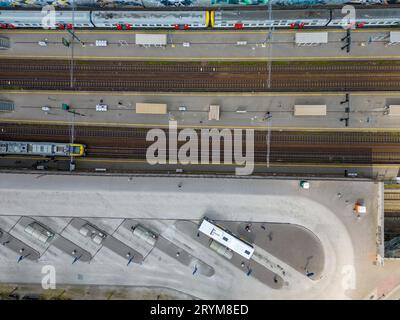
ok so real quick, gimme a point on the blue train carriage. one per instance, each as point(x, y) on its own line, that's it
point(46, 149)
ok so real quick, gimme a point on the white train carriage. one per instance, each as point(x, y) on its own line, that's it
point(227, 239)
point(40, 148)
point(367, 18)
point(260, 18)
point(38, 19)
point(151, 19)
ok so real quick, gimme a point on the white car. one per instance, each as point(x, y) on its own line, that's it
point(101, 107)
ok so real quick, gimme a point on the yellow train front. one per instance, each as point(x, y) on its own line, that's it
point(77, 150)
point(45, 149)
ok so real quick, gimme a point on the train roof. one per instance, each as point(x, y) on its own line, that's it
point(370, 13)
point(29, 17)
point(257, 15)
point(150, 15)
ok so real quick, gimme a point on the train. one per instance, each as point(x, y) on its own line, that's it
point(46, 149)
point(190, 4)
point(197, 19)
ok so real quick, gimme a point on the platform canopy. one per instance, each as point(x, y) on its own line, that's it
point(310, 110)
point(148, 39)
point(395, 37)
point(311, 38)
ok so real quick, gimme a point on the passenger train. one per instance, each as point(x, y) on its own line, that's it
point(47, 149)
point(221, 19)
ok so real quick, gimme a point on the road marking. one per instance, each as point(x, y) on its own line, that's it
point(166, 126)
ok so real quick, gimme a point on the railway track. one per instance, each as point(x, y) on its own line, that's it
point(284, 138)
point(139, 76)
point(285, 147)
point(276, 155)
point(392, 201)
point(391, 213)
point(178, 67)
point(200, 85)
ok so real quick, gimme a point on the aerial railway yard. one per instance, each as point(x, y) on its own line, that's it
point(194, 77)
point(345, 150)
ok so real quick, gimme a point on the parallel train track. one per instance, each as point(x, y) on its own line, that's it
point(287, 147)
point(231, 77)
point(355, 139)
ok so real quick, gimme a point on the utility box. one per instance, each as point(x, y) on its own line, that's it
point(101, 43)
point(65, 107)
point(304, 184)
point(360, 209)
point(213, 113)
point(101, 107)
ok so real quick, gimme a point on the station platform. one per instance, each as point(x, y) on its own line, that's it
point(209, 45)
point(365, 111)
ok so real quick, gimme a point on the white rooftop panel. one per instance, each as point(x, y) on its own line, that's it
point(394, 36)
point(226, 239)
point(311, 37)
point(151, 39)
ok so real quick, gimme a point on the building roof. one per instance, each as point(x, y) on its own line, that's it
point(395, 36)
point(151, 39)
point(311, 37)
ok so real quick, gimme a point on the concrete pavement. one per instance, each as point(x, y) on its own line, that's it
point(349, 243)
point(366, 109)
point(204, 45)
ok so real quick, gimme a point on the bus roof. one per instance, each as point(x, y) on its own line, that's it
point(218, 234)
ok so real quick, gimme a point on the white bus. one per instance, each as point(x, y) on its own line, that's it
point(226, 238)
